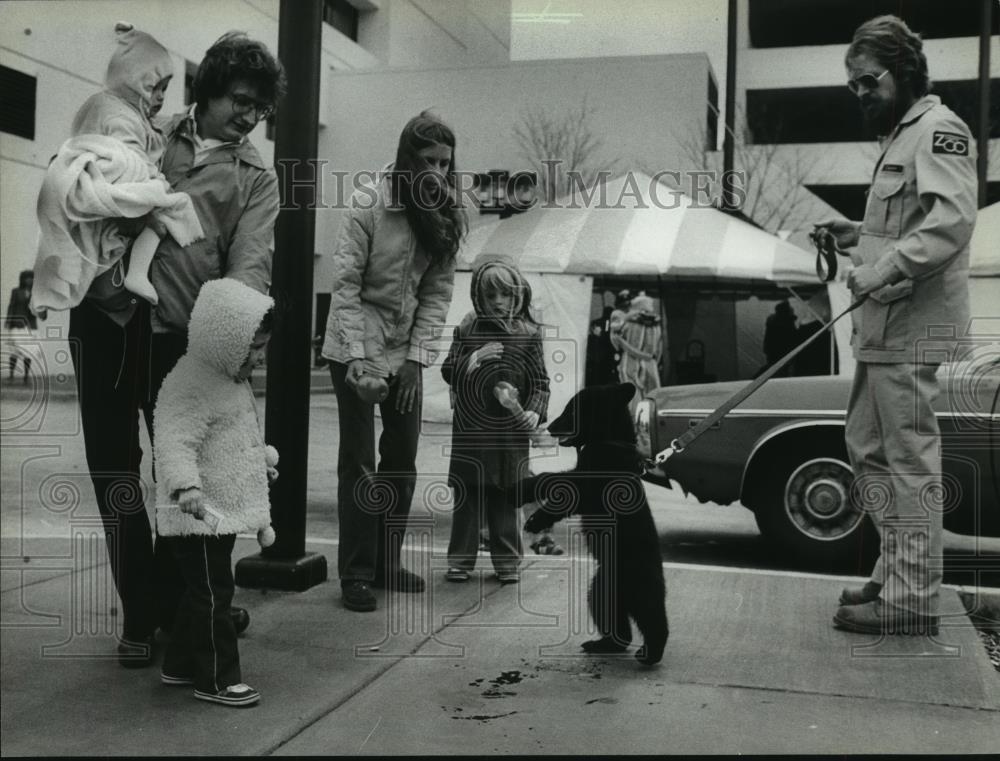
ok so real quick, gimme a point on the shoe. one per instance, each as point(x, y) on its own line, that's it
point(237, 695)
point(868, 593)
point(878, 618)
point(172, 681)
point(357, 595)
point(241, 619)
point(402, 580)
point(457, 574)
point(546, 546)
point(509, 577)
point(135, 654)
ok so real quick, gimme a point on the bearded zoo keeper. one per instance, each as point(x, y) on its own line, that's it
point(911, 257)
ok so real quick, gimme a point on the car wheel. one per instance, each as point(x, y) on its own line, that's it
point(807, 510)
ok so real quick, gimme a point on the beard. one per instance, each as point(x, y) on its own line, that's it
point(878, 116)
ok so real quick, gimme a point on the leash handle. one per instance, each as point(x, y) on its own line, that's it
point(826, 254)
point(682, 442)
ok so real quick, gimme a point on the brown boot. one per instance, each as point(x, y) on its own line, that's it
point(868, 593)
point(878, 618)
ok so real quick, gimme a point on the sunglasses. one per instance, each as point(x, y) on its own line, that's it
point(868, 81)
point(244, 104)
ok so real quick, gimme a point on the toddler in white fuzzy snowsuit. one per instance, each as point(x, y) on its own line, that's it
point(108, 170)
point(212, 469)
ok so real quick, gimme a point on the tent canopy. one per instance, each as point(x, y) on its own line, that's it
point(635, 225)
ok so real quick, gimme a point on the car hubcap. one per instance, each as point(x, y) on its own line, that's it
point(817, 500)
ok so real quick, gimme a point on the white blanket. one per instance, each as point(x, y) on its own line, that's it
point(91, 182)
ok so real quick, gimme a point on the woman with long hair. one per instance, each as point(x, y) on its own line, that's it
point(393, 274)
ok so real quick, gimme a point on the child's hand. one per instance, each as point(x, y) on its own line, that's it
point(541, 438)
point(508, 396)
point(272, 474)
point(492, 350)
point(190, 501)
point(527, 420)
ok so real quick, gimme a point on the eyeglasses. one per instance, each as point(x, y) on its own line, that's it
point(244, 105)
point(868, 81)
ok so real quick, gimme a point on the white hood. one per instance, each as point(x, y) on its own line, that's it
point(225, 317)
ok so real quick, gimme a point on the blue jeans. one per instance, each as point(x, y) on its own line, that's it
point(373, 504)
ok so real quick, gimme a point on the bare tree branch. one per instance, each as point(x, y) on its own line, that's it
point(773, 175)
point(562, 149)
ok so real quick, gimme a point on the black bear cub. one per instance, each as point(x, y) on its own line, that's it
point(605, 490)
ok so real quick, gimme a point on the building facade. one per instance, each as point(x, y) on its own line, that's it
point(791, 95)
point(53, 56)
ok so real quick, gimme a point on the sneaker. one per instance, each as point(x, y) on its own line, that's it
point(509, 577)
point(135, 654)
point(237, 695)
point(546, 545)
point(858, 596)
point(457, 574)
point(357, 595)
point(402, 580)
point(171, 680)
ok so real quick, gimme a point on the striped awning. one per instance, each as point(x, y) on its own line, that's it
point(637, 226)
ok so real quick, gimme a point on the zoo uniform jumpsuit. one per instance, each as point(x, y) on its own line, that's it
point(919, 218)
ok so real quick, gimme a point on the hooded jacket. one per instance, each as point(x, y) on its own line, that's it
point(121, 109)
point(106, 171)
point(485, 447)
point(206, 432)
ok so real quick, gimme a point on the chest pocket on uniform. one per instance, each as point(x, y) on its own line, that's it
point(884, 215)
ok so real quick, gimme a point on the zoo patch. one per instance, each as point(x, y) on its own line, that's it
point(950, 143)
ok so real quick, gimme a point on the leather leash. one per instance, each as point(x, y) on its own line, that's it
point(682, 442)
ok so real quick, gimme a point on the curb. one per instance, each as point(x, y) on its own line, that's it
point(64, 387)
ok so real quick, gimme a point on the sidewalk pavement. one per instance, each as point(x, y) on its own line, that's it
point(752, 666)
point(59, 383)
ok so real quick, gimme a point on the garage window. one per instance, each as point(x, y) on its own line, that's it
point(17, 93)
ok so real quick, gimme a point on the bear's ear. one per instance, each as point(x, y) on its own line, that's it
point(626, 391)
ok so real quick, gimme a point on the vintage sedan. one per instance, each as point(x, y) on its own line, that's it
point(781, 453)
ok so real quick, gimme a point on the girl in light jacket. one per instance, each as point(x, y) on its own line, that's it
point(393, 273)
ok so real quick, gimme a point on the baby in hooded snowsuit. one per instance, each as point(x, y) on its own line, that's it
point(107, 170)
point(212, 470)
